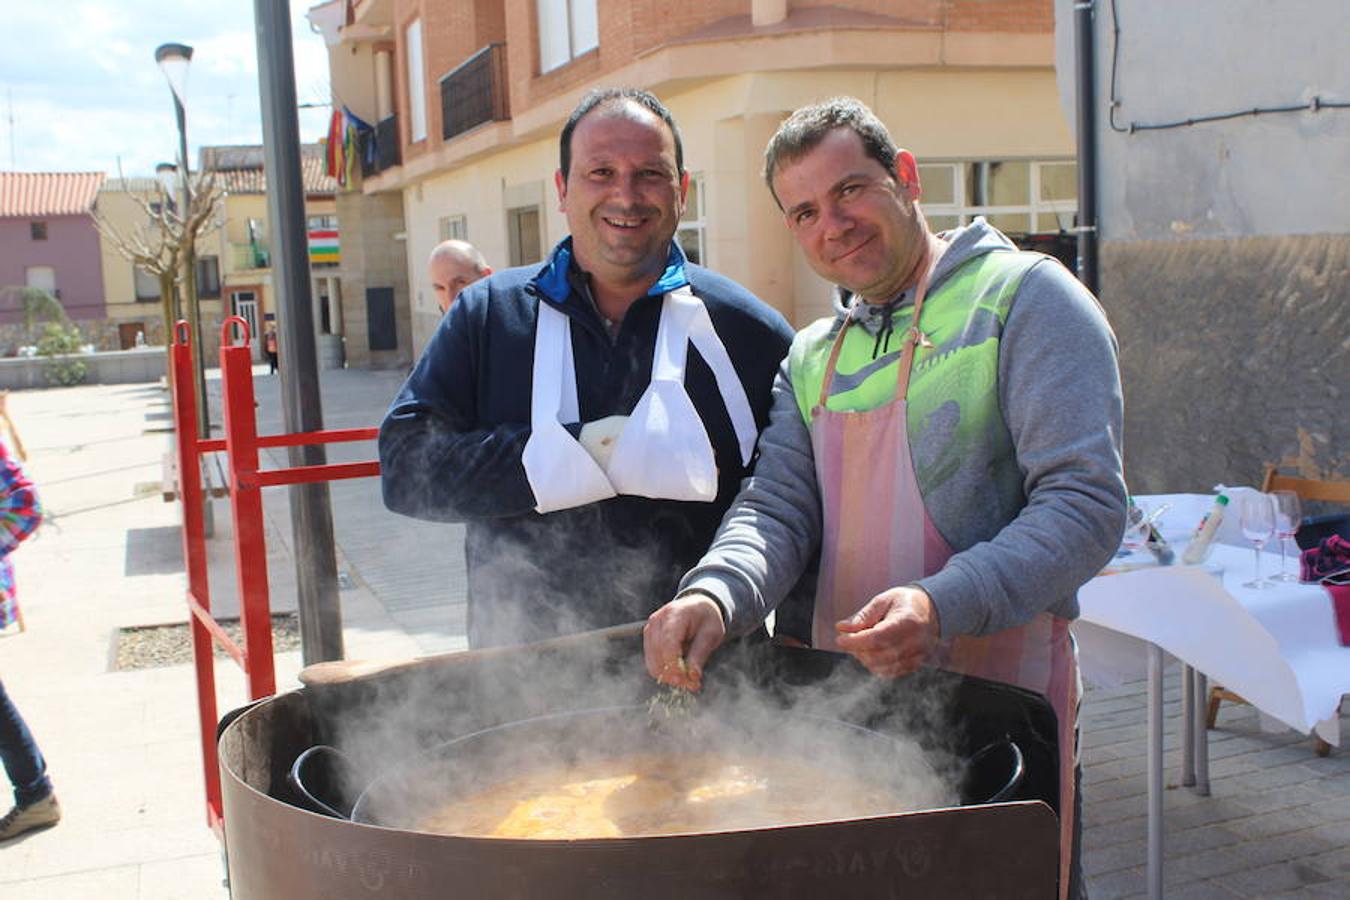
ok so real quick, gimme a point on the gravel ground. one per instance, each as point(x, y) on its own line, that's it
point(147, 646)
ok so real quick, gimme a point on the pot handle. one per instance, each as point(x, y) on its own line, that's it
point(317, 768)
point(1015, 775)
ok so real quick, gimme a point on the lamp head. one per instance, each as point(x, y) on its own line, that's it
point(173, 61)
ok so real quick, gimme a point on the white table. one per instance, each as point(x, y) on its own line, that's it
point(1278, 648)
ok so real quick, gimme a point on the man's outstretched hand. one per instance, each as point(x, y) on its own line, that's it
point(679, 637)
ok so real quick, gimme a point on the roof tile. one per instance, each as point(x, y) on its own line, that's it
point(239, 169)
point(24, 194)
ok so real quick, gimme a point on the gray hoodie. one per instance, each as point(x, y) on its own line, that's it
point(1060, 398)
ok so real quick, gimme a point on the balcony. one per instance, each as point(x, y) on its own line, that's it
point(386, 154)
point(475, 92)
point(249, 256)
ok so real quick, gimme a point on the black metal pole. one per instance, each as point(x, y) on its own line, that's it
point(311, 511)
point(1084, 44)
point(190, 301)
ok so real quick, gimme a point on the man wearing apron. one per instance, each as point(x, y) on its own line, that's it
point(950, 442)
point(590, 418)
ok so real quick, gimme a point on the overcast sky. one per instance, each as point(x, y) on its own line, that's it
point(79, 88)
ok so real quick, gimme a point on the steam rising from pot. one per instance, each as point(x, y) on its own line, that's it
point(403, 717)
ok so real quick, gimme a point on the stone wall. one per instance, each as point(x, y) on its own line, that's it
point(1234, 353)
point(373, 256)
point(122, 367)
point(102, 333)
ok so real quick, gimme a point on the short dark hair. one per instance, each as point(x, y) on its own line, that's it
point(614, 97)
point(808, 126)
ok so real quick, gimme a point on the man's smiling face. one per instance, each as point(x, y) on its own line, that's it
point(623, 195)
point(856, 221)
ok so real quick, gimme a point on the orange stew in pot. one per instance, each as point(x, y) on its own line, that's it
point(660, 794)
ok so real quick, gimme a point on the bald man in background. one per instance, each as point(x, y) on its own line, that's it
point(453, 266)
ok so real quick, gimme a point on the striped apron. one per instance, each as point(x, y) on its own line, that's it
point(877, 535)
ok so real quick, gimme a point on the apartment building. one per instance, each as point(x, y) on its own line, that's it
point(465, 100)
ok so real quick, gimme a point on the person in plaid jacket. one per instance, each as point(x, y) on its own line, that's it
point(35, 803)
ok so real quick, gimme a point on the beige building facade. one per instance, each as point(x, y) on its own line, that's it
point(239, 275)
point(969, 87)
point(132, 296)
point(233, 257)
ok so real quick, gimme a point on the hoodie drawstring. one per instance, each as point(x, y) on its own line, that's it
point(887, 328)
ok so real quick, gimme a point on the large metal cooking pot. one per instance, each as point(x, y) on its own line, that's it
point(280, 850)
point(406, 796)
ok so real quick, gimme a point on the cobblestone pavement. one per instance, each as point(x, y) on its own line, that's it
point(1277, 822)
point(123, 746)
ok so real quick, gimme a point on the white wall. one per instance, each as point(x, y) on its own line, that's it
point(1274, 175)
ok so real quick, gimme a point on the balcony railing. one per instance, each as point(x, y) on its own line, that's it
point(475, 92)
point(250, 256)
point(386, 153)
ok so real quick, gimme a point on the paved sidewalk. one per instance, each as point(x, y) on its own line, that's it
point(122, 746)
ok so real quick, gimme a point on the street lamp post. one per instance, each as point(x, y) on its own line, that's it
point(167, 175)
point(173, 60)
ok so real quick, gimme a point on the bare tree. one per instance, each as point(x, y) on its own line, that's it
point(157, 243)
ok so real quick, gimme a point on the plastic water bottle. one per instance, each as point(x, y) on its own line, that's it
point(1197, 551)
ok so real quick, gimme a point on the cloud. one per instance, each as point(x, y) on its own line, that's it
point(84, 91)
point(232, 54)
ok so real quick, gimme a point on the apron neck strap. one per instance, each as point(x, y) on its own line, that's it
point(913, 339)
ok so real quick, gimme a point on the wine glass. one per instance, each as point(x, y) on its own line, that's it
point(1258, 524)
point(1288, 515)
point(1136, 529)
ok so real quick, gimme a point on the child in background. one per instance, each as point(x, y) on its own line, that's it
point(35, 804)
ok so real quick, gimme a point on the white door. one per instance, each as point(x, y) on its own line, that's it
point(244, 304)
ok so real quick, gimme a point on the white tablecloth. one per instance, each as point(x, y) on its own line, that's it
point(1278, 648)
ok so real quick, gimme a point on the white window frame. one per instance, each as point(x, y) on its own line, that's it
point(516, 254)
point(454, 228)
point(566, 29)
point(1043, 215)
point(41, 277)
point(144, 285)
point(696, 219)
point(417, 82)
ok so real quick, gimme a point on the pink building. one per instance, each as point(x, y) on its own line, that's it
point(48, 240)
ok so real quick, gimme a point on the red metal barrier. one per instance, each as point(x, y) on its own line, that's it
point(241, 445)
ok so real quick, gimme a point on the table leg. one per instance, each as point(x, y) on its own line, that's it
point(1155, 772)
point(1201, 735)
point(1187, 726)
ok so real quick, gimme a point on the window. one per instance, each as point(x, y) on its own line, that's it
point(208, 277)
point(1016, 196)
point(454, 228)
point(147, 285)
point(43, 278)
point(567, 29)
point(417, 82)
point(37, 230)
point(523, 225)
point(690, 233)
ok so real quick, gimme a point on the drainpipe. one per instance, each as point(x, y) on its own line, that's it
point(767, 12)
point(1087, 142)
